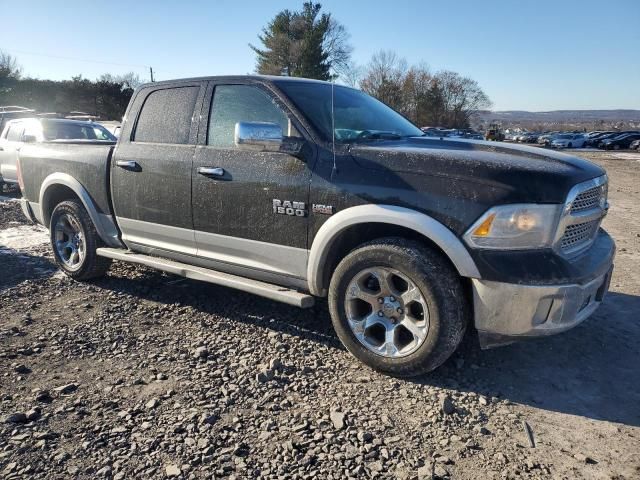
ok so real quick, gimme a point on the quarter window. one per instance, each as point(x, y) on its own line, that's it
point(166, 116)
point(240, 103)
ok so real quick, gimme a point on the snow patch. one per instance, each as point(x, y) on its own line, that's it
point(23, 237)
point(626, 156)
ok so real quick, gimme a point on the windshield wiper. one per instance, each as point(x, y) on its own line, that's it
point(379, 136)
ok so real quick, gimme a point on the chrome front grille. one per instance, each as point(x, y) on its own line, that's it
point(589, 199)
point(584, 210)
point(578, 233)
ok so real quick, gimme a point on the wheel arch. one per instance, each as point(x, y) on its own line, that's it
point(58, 187)
point(333, 241)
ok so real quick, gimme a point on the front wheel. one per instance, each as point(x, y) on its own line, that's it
point(74, 240)
point(398, 306)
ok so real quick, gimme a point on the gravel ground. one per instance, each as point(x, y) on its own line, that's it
point(146, 375)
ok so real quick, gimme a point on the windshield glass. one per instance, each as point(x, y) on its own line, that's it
point(564, 137)
point(357, 115)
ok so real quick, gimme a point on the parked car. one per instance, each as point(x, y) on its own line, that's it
point(41, 130)
point(620, 142)
point(568, 140)
point(594, 140)
point(635, 145)
point(546, 138)
point(295, 189)
point(12, 112)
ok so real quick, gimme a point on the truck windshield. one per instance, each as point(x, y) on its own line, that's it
point(357, 115)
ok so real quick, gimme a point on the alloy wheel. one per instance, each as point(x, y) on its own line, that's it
point(386, 312)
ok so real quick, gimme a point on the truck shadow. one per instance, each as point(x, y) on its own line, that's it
point(18, 266)
point(589, 371)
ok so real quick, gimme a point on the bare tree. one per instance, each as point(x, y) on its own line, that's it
point(128, 80)
point(442, 99)
point(9, 67)
point(384, 77)
point(336, 46)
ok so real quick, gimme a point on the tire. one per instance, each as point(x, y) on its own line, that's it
point(441, 292)
point(71, 230)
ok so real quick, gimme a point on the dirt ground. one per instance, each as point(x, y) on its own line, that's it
point(146, 375)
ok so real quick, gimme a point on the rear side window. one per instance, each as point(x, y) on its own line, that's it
point(15, 132)
point(240, 103)
point(166, 116)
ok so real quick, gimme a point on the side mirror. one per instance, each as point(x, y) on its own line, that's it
point(260, 136)
point(29, 138)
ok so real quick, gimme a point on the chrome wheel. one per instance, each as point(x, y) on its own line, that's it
point(69, 241)
point(386, 312)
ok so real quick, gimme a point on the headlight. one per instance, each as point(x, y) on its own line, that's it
point(515, 227)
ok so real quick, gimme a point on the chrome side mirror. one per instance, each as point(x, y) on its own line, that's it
point(260, 136)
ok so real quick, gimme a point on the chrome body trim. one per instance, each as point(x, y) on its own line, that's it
point(419, 222)
point(260, 136)
point(105, 226)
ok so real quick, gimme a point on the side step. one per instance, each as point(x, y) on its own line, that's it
point(267, 290)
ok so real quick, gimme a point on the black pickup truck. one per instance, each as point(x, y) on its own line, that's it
point(295, 189)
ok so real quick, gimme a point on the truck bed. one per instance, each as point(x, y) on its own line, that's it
point(85, 160)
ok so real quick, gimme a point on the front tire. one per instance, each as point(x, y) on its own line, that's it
point(398, 306)
point(74, 241)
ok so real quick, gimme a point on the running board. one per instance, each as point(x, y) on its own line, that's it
point(267, 290)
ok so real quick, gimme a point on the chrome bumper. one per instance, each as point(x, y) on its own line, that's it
point(506, 312)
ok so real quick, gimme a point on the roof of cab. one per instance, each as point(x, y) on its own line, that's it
point(232, 78)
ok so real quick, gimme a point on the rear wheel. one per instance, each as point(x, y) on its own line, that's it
point(74, 240)
point(398, 306)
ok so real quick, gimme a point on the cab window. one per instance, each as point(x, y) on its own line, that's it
point(240, 103)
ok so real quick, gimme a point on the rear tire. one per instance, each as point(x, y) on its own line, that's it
point(422, 313)
point(74, 241)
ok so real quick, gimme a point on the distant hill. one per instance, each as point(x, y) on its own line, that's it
point(561, 116)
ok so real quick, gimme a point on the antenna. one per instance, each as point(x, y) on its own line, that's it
point(334, 170)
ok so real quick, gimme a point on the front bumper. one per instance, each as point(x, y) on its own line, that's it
point(506, 312)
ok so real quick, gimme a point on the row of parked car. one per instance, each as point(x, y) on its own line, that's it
point(452, 133)
point(23, 130)
point(607, 140)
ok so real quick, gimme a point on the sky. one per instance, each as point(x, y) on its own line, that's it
point(526, 55)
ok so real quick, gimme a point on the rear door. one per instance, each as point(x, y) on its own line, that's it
point(234, 217)
point(151, 169)
point(10, 145)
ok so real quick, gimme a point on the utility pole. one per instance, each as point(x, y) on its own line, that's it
point(151, 72)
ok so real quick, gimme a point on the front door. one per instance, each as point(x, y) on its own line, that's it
point(151, 170)
point(236, 217)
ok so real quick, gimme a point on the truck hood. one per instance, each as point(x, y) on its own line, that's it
point(531, 173)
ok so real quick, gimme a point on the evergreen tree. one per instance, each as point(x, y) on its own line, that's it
point(307, 43)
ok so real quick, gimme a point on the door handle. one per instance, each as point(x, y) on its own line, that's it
point(129, 164)
point(213, 171)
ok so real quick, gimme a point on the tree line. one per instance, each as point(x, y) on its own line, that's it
point(107, 97)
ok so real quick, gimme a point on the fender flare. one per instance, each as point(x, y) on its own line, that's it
point(425, 225)
point(105, 226)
